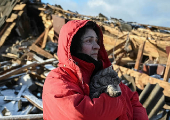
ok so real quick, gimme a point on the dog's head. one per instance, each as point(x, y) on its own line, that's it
point(106, 81)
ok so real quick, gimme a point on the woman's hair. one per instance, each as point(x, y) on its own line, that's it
point(76, 44)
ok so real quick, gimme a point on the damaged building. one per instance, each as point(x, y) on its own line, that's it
point(28, 47)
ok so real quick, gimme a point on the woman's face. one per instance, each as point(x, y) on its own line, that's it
point(89, 44)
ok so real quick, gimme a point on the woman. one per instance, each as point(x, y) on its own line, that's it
point(81, 54)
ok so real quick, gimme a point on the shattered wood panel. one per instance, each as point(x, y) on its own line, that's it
point(14, 16)
point(8, 27)
point(114, 48)
point(149, 48)
point(7, 10)
point(110, 42)
point(60, 23)
point(152, 48)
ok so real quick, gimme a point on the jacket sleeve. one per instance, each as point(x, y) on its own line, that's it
point(138, 109)
point(65, 100)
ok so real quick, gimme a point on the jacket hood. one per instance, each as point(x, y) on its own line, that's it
point(64, 42)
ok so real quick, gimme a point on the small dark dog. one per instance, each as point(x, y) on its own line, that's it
point(105, 81)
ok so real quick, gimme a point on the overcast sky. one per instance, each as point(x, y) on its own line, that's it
point(152, 12)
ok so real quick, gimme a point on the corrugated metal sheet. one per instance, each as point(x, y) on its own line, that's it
point(152, 98)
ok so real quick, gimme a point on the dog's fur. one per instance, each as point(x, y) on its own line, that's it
point(105, 81)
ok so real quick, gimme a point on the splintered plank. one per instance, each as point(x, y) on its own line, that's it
point(40, 51)
point(115, 48)
point(4, 29)
point(6, 33)
point(20, 13)
point(37, 7)
point(10, 56)
point(167, 70)
point(19, 7)
point(140, 56)
point(32, 99)
point(12, 18)
point(23, 117)
point(40, 77)
point(45, 38)
point(16, 71)
point(39, 38)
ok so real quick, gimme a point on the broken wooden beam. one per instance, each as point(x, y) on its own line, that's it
point(32, 99)
point(6, 33)
point(12, 18)
point(16, 71)
point(40, 38)
point(39, 84)
point(13, 56)
point(4, 81)
point(45, 38)
point(119, 51)
point(40, 77)
point(4, 28)
point(12, 98)
point(115, 47)
point(119, 57)
point(167, 70)
point(122, 36)
point(19, 7)
point(55, 56)
point(23, 117)
point(40, 51)
point(140, 56)
point(12, 67)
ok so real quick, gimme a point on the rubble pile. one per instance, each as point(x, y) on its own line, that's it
point(28, 47)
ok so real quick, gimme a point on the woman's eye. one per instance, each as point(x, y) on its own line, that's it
point(89, 41)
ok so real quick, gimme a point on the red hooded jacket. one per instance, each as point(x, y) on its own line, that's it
point(66, 88)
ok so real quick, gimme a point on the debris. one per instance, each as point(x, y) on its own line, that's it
point(140, 55)
point(28, 47)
